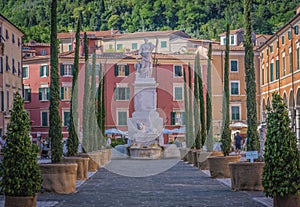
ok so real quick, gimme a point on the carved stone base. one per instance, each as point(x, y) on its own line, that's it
point(145, 153)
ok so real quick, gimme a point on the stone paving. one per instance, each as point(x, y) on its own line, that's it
point(181, 185)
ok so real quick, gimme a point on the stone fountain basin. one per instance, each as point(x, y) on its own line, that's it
point(145, 153)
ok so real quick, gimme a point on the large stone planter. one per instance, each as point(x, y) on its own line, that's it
point(104, 157)
point(59, 178)
point(246, 176)
point(287, 201)
point(109, 154)
point(82, 168)
point(20, 201)
point(202, 159)
point(93, 161)
point(183, 153)
point(191, 156)
point(219, 165)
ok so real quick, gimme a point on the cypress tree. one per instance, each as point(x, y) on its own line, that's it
point(202, 107)
point(209, 128)
point(103, 111)
point(55, 129)
point(225, 137)
point(99, 105)
point(186, 107)
point(72, 143)
point(196, 106)
point(86, 98)
point(92, 114)
point(252, 134)
point(190, 121)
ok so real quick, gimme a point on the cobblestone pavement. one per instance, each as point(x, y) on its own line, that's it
point(182, 186)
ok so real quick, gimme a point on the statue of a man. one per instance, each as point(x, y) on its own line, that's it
point(145, 70)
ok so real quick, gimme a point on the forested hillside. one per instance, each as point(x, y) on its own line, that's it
point(199, 18)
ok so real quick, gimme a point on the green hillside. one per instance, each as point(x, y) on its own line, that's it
point(199, 18)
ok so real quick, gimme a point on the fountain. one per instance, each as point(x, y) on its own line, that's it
point(145, 126)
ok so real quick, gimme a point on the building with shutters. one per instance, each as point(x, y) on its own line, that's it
point(10, 68)
point(280, 70)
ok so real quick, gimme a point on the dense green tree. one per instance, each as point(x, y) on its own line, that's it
point(252, 134)
point(55, 128)
point(72, 143)
point(225, 137)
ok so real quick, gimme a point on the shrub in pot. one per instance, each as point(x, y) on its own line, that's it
point(21, 178)
point(281, 173)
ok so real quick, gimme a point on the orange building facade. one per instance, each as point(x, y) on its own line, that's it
point(280, 70)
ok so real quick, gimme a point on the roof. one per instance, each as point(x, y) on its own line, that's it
point(201, 40)
point(263, 35)
point(154, 34)
point(68, 35)
point(11, 23)
point(232, 31)
point(33, 43)
point(231, 48)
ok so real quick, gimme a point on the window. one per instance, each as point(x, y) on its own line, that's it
point(13, 66)
point(110, 46)
point(298, 58)
point(44, 71)
point(283, 66)
point(6, 34)
point(43, 52)
point(272, 71)
point(65, 93)
point(233, 66)
point(296, 29)
point(267, 71)
point(1, 64)
point(178, 93)
point(232, 39)
point(119, 47)
point(66, 69)
point(122, 93)
point(277, 69)
point(66, 119)
point(224, 40)
point(13, 38)
point(7, 65)
point(177, 118)
point(122, 118)
point(19, 42)
point(134, 46)
point(44, 94)
point(2, 100)
point(234, 88)
point(271, 48)
point(7, 100)
point(289, 35)
point(163, 44)
point(27, 94)
point(235, 113)
point(121, 70)
point(291, 62)
point(177, 71)
point(263, 75)
point(70, 47)
point(282, 40)
point(25, 72)
point(19, 68)
point(44, 118)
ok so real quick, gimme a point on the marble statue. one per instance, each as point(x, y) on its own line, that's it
point(144, 69)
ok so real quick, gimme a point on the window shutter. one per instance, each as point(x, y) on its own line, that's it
point(40, 94)
point(72, 69)
point(29, 94)
point(62, 93)
point(47, 70)
point(116, 93)
point(127, 93)
point(277, 69)
point(296, 30)
point(289, 35)
point(116, 70)
point(41, 71)
point(173, 114)
point(62, 70)
point(48, 93)
point(2, 100)
point(126, 70)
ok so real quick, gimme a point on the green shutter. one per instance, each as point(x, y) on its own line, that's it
point(289, 35)
point(291, 63)
point(126, 70)
point(47, 70)
point(282, 40)
point(41, 71)
point(40, 94)
point(48, 93)
point(296, 30)
point(277, 69)
point(173, 118)
point(116, 70)
point(62, 69)
point(116, 94)
point(62, 93)
point(127, 95)
point(72, 69)
point(29, 94)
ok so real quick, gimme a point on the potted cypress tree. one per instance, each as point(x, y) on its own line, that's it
point(21, 178)
point(281, 173)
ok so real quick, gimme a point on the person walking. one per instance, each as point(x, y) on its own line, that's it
point(238, 142)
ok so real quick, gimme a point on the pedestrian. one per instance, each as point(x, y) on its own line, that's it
point(3, 142)
point(238, 142)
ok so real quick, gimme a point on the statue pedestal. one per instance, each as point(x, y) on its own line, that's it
point(145, 127)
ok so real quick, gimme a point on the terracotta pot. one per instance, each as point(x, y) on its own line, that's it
point(219, 165)
point(104, 157)
point(246, 175)
point(93, 161)
point(82, 168)
point(59, 177)
point(202, 160)
point(191, 156)
point(183, 153)
point(20, 201)
point(287, 201)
